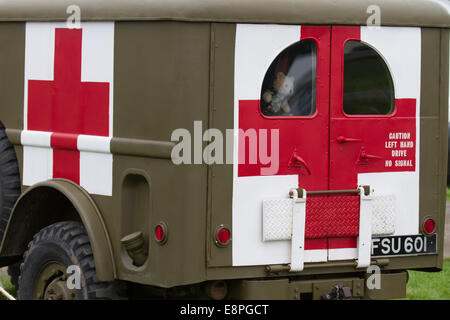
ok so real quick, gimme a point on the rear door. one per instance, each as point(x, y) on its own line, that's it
point(374, 140)
point(352, 120)
point(298, 57)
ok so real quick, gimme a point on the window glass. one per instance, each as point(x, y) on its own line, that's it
point(368, 87)
point(289, 86)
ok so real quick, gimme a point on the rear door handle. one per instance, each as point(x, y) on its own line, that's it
point(364, 156)
point(296, 161)
point(342, 139)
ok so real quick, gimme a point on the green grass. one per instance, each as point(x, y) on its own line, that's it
point(448, 194)
point(429, 285)
point(6, 284)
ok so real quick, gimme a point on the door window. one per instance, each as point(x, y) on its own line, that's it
point(289, 86)
point(368, 87)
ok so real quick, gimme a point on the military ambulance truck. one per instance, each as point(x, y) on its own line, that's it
point(223, 149)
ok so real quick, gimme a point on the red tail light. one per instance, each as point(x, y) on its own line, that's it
point(429, 226)
point(223, 236)
point(161, 233)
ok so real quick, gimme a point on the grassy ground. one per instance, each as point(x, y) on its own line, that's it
point(429, 285)
point(6, 284)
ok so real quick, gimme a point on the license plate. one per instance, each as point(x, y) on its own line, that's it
point(403, 245)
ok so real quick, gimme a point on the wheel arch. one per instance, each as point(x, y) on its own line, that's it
point(53, 201)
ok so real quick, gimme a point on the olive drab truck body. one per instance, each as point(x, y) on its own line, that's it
point(337, 164)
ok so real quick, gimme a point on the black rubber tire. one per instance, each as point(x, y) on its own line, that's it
point(9, 179)
point(67, 244)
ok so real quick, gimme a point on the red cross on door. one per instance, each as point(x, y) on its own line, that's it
point(67, 106)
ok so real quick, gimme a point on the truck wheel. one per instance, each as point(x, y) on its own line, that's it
point(9, 179)
point(45, 272)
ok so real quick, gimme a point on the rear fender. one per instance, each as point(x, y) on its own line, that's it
point(52, 201)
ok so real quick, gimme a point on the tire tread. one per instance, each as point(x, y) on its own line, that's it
point(74, 236)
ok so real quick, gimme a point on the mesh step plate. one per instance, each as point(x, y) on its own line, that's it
point(327, 216)
point(330, 216)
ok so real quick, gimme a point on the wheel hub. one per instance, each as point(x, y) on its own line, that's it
point(51, 283)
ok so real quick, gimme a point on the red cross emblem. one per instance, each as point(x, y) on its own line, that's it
point(66, 106)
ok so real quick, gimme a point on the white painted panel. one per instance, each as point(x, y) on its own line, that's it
point(37, 156)
point(316, 255)
point(35, 138)
point(256, 48)
point(401, 49)
point(97, 51)
point(248, 196)
point(94, 143)
point(343, 254)
point(39, 55)
point(96, 172)
point(98, 57)
point(40, 49)
point(405, 186)
point(39, 164)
